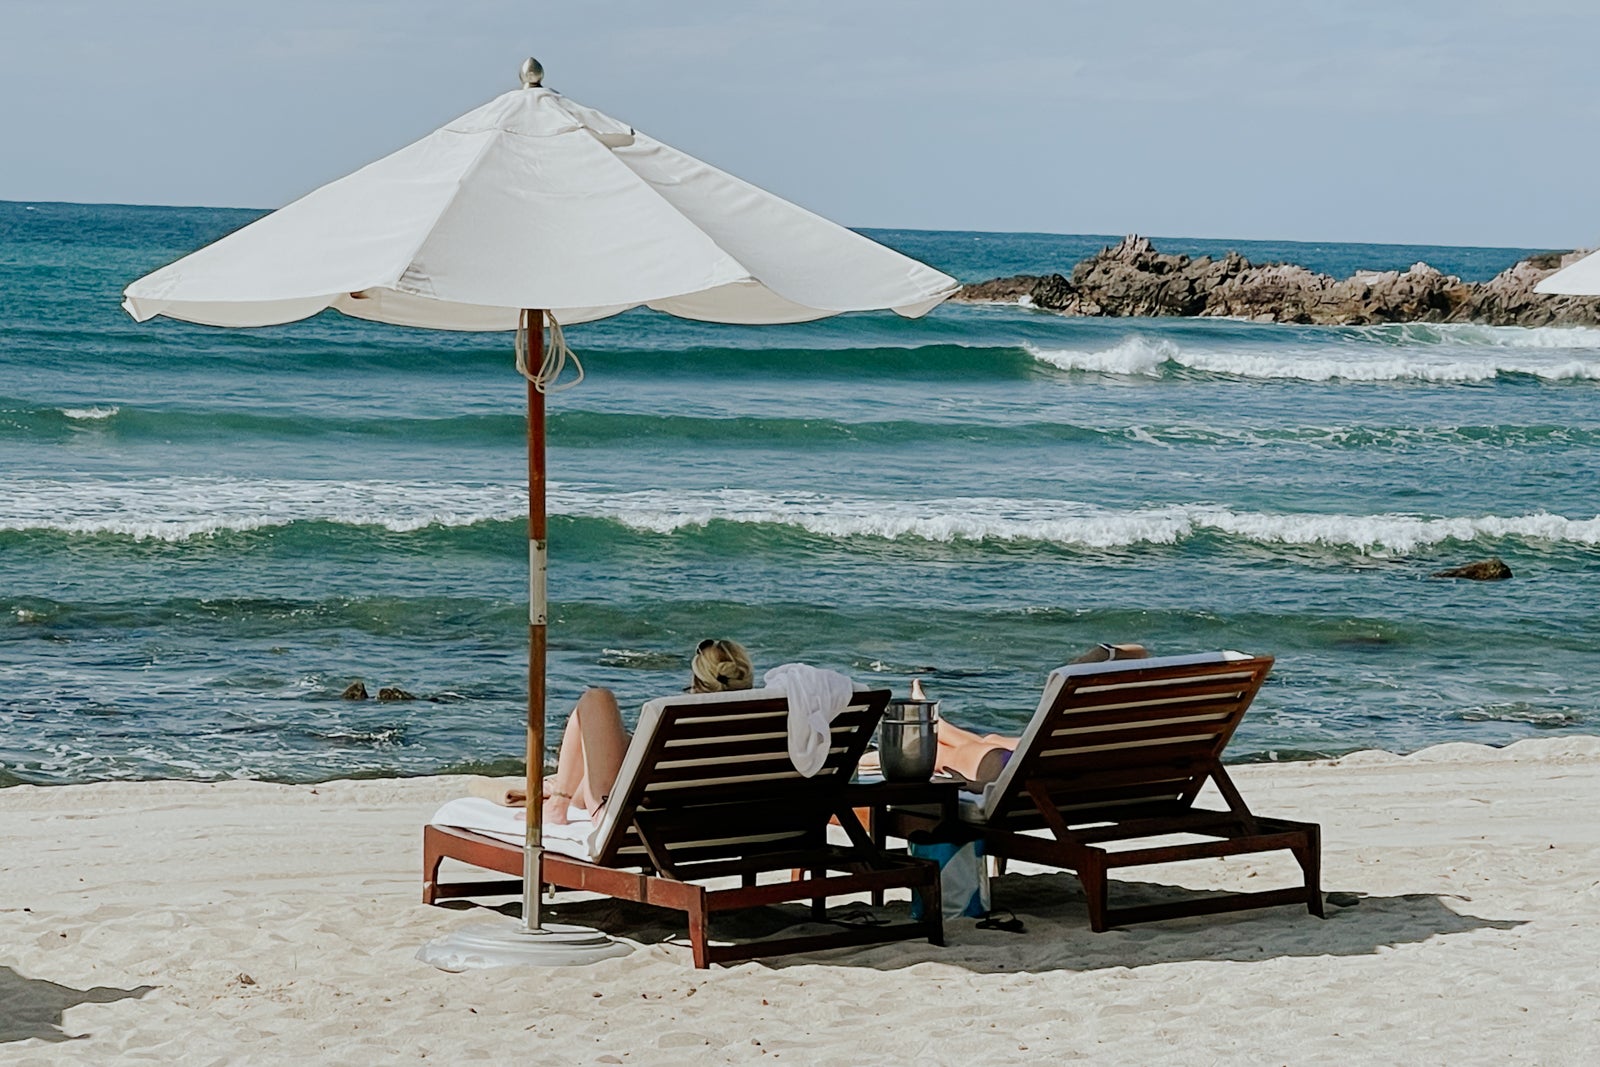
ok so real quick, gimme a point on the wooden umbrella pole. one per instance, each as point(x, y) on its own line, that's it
point(537, 619)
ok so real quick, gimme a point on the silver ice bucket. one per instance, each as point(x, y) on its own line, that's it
point(908, 740)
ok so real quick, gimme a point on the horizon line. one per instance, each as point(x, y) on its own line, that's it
point(1111, 237)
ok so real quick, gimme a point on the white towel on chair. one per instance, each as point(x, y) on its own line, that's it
point(816, 697)
point(575, 838)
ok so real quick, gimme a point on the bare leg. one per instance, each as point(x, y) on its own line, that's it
point(592, 747)
point(963, 751)
point(605, 742)
point(561, 787)
point(954, 736)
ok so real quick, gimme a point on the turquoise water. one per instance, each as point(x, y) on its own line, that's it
point(206, 534)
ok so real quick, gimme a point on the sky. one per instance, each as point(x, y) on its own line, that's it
point(1463, 122)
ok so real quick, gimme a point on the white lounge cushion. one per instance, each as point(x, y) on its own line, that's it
point(485, 817)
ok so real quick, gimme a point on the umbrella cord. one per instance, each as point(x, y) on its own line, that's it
point(556, 354)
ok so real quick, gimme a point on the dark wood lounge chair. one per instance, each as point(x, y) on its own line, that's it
point(1116, 754)
point(707, 791)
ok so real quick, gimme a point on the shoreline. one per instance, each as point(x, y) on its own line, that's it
point(196, 922)
point(505, 769)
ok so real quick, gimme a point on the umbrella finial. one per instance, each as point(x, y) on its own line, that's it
point(532, 73)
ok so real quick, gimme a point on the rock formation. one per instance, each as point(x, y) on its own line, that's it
point(1132, 278)
point(1493, 569)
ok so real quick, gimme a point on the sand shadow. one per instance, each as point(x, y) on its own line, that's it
point(650, 925)
point(1056, 934)
point(33, 1007)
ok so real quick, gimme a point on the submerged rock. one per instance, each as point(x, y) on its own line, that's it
point(1493, 569)
point(354, 691)
point(1015, 289)
point(1131, 278)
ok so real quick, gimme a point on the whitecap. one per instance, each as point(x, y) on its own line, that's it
point(1064, 522)
point(92, 414)
point(180, 508)
point(1139, 356)
point(1478, 335)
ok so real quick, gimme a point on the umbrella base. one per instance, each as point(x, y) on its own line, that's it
point(484, 945)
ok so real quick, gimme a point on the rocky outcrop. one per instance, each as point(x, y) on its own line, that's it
point(1493, 569)
point(1132, 278)
point(1000, 290)
point(354, 691)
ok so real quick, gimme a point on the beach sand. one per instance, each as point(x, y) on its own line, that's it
point(241, 922)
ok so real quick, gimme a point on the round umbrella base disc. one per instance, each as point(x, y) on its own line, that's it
point(484, 945)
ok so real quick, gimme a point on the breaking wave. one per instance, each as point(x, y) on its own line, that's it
point(91, 414)
point(1140, 356)
point(176, 509)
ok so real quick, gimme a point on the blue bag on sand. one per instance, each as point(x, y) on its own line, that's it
point(963, 878)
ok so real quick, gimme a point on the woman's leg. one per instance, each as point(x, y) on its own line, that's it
point(567, 782)
point(954, 736)
point(591, 753)
point(965, 752)
point(605, 742)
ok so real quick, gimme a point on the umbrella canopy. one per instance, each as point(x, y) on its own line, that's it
point(1578, 279)
point(532, 209)
point(533, 201)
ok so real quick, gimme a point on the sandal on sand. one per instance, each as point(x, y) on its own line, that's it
point(1010, 924)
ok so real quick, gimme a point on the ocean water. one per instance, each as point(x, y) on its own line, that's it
point(205, 535)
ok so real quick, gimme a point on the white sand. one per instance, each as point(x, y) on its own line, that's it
point(130, 914)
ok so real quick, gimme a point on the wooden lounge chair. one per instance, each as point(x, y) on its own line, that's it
point(1117, 753)
point(707, 790)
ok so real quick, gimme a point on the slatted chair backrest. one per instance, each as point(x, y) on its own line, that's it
point(1127, 738)
point(708, 776)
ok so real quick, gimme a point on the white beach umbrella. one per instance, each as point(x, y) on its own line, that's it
point(533, 201)
point(1578, 279)
point(534, 210)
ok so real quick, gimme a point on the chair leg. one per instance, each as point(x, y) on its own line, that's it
point(933, 909)
point(432, 856)
point(819, 905)
point(1310, 856)
point(699, 931)
point(1092, 876)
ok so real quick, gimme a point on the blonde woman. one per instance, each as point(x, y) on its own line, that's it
point(595, 741)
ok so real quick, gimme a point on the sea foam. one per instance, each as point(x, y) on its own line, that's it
point(175, 509)
point(1381, 359)
point(1070, 523)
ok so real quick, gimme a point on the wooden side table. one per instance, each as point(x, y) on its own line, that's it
point(878, 796)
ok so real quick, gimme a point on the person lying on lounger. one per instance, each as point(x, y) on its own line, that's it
point(594, 741)
point(979, 758)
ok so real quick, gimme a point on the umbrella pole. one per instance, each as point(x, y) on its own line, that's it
point(533, 943)
point(537, 623)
